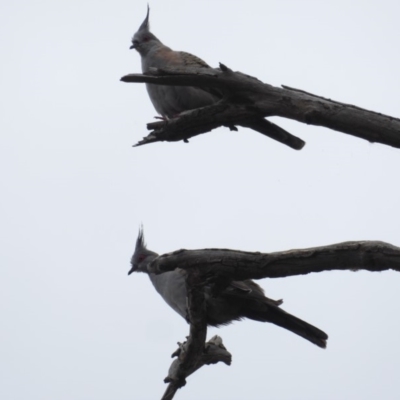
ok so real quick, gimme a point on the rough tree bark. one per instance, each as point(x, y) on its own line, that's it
point(247, 101)
point(195, 352)
point(240, 265)
point(220, 266)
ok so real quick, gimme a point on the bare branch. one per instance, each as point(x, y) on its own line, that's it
point(240, 265)
point(201, 120)
point(274, 131)
point(222, 266)
point(190, 359)
point(246, 99)
point(214, 352)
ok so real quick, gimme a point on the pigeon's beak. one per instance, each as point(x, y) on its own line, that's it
point(133, 269)
point(132, 47)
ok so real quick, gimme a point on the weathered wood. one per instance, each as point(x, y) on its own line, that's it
point(220, 266)
point(246, 98)
point(201, 120)
point(240, 265)
point(190, 360)
point(214, 352)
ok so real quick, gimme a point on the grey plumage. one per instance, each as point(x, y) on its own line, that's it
point(241, 299)
point(169, 101)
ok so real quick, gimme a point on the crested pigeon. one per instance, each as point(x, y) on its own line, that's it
point(169, 101)
point(241, 299)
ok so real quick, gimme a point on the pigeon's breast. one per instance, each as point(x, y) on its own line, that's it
point(170, 101)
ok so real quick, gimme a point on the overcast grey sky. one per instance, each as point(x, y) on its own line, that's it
point(74, 191)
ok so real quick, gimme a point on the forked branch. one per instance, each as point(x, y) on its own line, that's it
point(194, 353)
point(221, 266)
point(247, 101)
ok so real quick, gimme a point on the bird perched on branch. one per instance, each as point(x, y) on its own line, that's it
point(170, 101)
point(240, 299)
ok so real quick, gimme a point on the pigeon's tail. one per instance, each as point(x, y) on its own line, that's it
point(279, 317)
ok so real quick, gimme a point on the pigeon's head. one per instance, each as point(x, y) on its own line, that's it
point(143, 40)
point(141, 257)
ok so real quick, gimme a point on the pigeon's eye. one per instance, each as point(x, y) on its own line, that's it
point(141, 257)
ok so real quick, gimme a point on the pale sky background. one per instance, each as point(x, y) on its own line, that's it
point(74, 192)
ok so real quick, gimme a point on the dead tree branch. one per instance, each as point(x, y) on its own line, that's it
point(201, 120)
point(195, 352)
point(247, 101)
point(221, 266)
point(214, 352)
point(239, 265)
